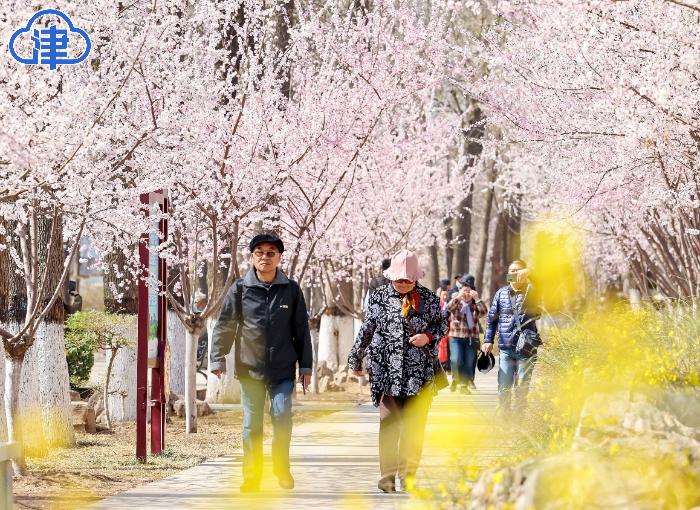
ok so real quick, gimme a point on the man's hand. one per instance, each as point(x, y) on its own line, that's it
point(305, 380)
point(419, 340)
point(217, 373)
point(521, 276)
point(474, 295)
point(487, 348)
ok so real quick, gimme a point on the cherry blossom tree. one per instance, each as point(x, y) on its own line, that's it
point(598, 105)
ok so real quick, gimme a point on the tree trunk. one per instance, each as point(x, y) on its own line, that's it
point(122, 383)
point(4, 321)
point(191, 338)
point(314, 371)
point(514, 226)
point(106, 394)
point(449, 250)
point(435, 266)
point(177, 341)
point(54, 384)
point(23, 392)
point(54, 381)
point(121, 298)
point(499, 253)
point(462, 225)
point(484, 227)
point(13, 376)
point(225, 389)
point(335, 339)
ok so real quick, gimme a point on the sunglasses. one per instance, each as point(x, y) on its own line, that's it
point(269, 254)
point(403, 281)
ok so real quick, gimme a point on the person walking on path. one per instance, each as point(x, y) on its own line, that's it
point(264, 318)
point(513, 310)
point(399, 334)
point(466, 308)
point(377, 281)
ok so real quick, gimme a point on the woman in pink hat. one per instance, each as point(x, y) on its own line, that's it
point(400, 332)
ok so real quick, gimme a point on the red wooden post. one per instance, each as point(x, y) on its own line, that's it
point(142, 349)
point(158, 397)
point(146, 358)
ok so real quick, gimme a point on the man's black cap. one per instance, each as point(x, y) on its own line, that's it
point(266, 238)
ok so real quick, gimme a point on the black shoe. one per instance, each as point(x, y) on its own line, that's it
point(250, 486)
point(387, 484)
point(286, 481)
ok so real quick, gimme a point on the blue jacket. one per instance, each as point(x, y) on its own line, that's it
point(501, 318)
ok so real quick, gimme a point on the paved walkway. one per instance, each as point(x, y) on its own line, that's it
point(334, 461)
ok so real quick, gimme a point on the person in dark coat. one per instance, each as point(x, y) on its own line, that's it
point(400, 334)
point(264, 318)
point(377, 281)
point(514, 369)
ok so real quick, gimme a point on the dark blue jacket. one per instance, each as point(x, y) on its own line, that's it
point(502, 320)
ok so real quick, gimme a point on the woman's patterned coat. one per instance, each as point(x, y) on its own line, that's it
point(396, 367)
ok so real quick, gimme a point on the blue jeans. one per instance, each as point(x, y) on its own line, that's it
point(463, 352)
point(253, 393)
point(514, 374)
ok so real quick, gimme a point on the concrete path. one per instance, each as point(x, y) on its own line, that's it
point(334, 461)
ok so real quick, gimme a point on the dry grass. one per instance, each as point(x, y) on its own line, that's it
point(104, 464)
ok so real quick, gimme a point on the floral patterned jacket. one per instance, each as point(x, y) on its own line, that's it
point(396, 367)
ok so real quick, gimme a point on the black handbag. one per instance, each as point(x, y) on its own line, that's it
point(440, 378)
point(526, 341)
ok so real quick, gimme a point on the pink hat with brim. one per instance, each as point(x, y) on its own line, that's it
point(404, 266)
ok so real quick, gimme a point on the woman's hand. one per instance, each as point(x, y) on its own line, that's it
point(419, 340)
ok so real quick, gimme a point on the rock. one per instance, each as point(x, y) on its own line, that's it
point(353, 378)
point(340, 378)
point(179, 408)
point(323, 383)
point(332, 387)
point(324, 370)
point(83, 417)
point(75, 396)
point(342, 369)
point(203, 408)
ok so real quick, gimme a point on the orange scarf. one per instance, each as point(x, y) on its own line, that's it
point(410, 300)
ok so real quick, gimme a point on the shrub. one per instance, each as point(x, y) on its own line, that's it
point(81, 344)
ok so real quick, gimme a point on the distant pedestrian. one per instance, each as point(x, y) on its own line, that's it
point(75, 300)
point(264, 316)
point(399, 334)
point(513, 310)
point(443, 287)
point(378, 281)
point(466, 308)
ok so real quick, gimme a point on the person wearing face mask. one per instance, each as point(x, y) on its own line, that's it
point(513, 309)
point(465, 310)
point(402, 325)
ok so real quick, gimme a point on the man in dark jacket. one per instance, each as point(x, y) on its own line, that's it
point(514, 369)
point(264, 318)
